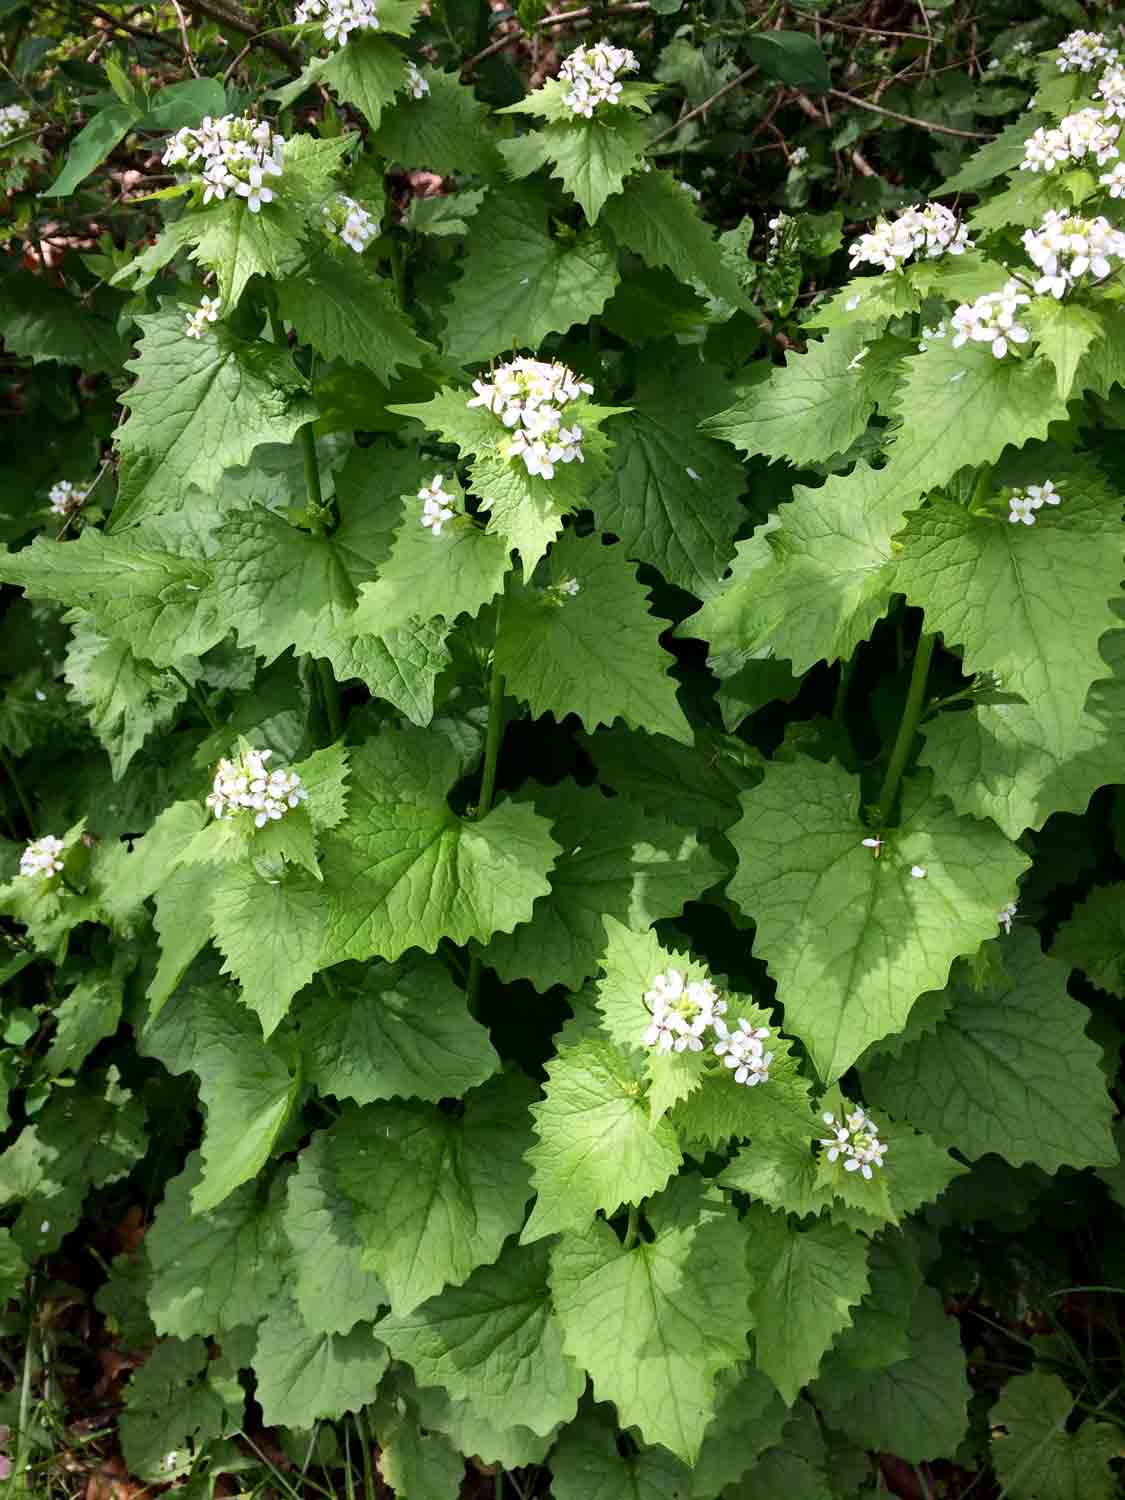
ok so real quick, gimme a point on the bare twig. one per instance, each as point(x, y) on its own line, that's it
point(239, 22)
point(701, 109)
point(562, 18)
point(182, 22)
point(230, 72)
point(892, 114)
point(123, 26)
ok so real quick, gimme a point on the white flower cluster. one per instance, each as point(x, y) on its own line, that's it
point(338, 18)
point(1090, 132)
point(1066, 248)
point(65, 497)
point(1023, 48)
point(566, 588)
point(41, 858)
point(1022, 507)
point(416, 84)
point(246, 785)
point(798, 156)
point(13, 119)
point(992, 319)
point(683, 1013)
point(856, 1140)
point(438, 505)
point(235, 153)
point(1114, 180)
point(206, 312)
point(930, 231)
point(1111, 91)
point(344, 218)
point(931, 335)
point(1082, 51)
point(592, 73)
point(779, 228)
point(1005, 915)
point(530, 396)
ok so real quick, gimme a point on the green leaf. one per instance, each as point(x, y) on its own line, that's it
point(595, 654)
point(270, 932)
point(368, 73)
point(216, 1271)
point(916, 1407)
point(125, 698)
point(417, 1465)
point(436, 1194)
point(199, 406)
point(246, 1088)
point(405, 871)
point(339, 306)
point(13, 1267)
point(406, 1033)
point(794, 57)
point(89, 1014)
point(512, 1447)
point(495, 1343)
point(91, 146)
point(1009, 1070)
point(171, 1411)
point(520, 283)
point(805, 1284)
point(852, 940)
point(810, 585)
point(879, 1332)
point(814, 407)
point(330, 1286)
point(445, 131)
point(43, 322)
point(670, 494)
point(587, 1464)
point(656, 1324)
point(997, 157)
point(1031, 608)
point(1036, 1457)
point(185, 103)
point(591, 158)
point(596, 1147)
point(304, 1376)
point(1064, 331)
point(1093, 938)
point(183, 925)
point(282, 587)
point(429, 577)
point(617, 861)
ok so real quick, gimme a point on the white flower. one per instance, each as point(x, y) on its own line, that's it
point(529, 396)
point(929, 335)
point(42, 857)
point(1111, 91)
point(415, 83)
point(206, 312)
point(591, 73)
point(855, 1140)
point(566, 588)
point(930, 231)
point(991, 319)
point(13, 119)
point(232, 154)
point(438, 505)
point(742, 1051)
point(780, 228)
point(1082, 51)
point(798, 156)
point(1114, 180)
point(345, 218)
point(874, 845)
point(246, 785)
point(1005, 914)
point(692, 192)
point(1089, 132)
point(918, 872)
point(338, 18)
point(681, 1013)
point(1022, 507)
point(1022, 49)
point(1067, 248)
point(65, 497)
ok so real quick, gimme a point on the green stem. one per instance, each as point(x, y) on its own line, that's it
point(24, 1419)
point(493, 736)
point(10, 772)
point(632, 1228)
point(197, 698)
point(840, 702)
point(330, 692)
point(312, 477)
point(498, 1483)
point(908, 727)
point(397, 257)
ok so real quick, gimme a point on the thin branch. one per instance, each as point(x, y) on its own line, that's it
point(239, 22)
point(562, 18)
point(123, 26)
point(701, 109)
point(893, 114)
point(181, 20)
point(230, 72)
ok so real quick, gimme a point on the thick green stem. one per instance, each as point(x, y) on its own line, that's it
point(840, 703)
point(312, 477)
point(197, 698)
point(908, 727)
point(493, 736)
point(330, 692)
point(633, 1227)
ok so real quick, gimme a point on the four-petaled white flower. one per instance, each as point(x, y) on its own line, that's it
point(245, 785)
point(1082, 51)
point(1022, 507)
point(233, 154)
point(438, 505)
point(42, 858)
point(206, 312)
point(855, 1141)
point(1114, 180)
point(931, 231)
point(798, 156)
point(530, 396)
point(918, 872)
point(350, 221)
point(929, 335)
point(338, 18)
point(993, 320)
point(680, 1012)
point(591, 73)
point(13, 119)
point(1066, 248)
point(1005, 915)
point(1088, 132)
point(873, 844)
point(65, 497)
point(1111, 91)
point(741, 1050)
point(415, 83)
